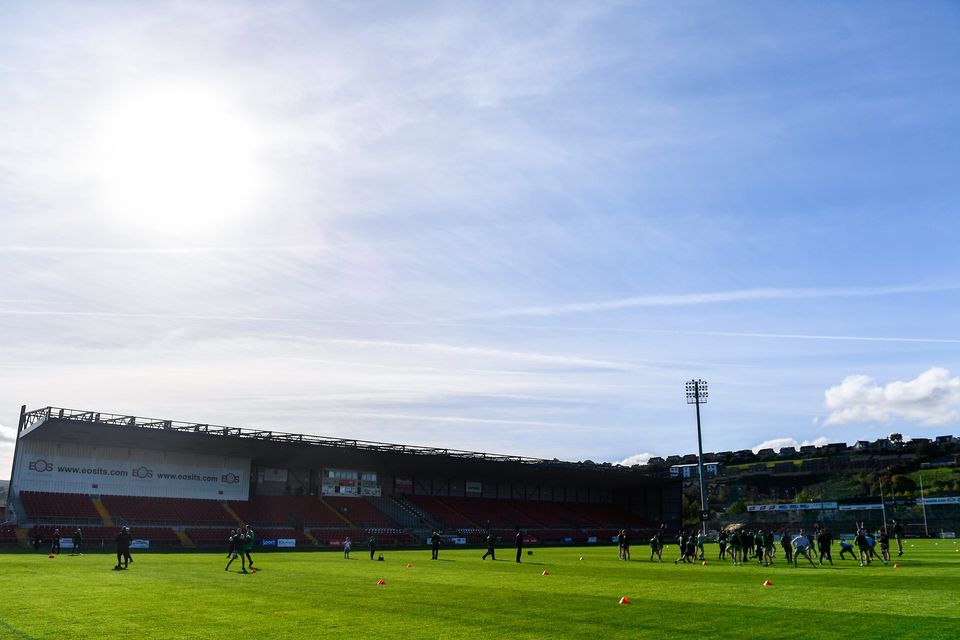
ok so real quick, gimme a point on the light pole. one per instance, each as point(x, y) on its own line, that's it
point(697, 395)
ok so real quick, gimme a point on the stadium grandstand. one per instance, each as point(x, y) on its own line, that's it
point(189, 484)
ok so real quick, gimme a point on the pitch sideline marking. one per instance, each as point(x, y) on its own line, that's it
point(13, 629)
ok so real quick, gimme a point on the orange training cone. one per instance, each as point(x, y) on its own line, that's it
point(624, 600)
point(704, 563)
point(545, 572)
point(409, 565)
point(52, 555)
point(381, 581)
point(768, 583)
point(253, 570)
point(896, 565)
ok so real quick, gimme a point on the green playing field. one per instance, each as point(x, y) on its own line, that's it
point(323, 595)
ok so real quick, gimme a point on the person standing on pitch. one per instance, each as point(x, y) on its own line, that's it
point(490, 550)
point(883, 540)
point(898, 536)
point(249, 538)
point(824, 542)
point(123, 548)
point(518, 543)
point(232, 542)
point(55, 542)
point(656, 545)
point(435, 543)
point(236, 544)
point(620, 538)
point(801, 547)
point(347, 545)
point(372, 544)
point(787, 548)
point(77, 542)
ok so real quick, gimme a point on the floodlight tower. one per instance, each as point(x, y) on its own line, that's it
point(697, 395)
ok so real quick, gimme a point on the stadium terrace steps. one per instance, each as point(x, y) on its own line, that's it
point(309, 536)
point(408, 514)
point(185, 539)
point(441, 512)
point(396, 511)
point(104, 514)
point(233, 514)
point(339, 515)
point(359, 512)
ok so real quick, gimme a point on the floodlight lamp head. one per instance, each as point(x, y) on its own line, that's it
point(697, 392)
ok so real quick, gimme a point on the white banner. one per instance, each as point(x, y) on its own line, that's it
point(948, 534)
point(139, 544)
point(473, 487)
point(286, 542)
point(860, 507)
point(804, 506)
point(944, 500)
point(77, 468)
point(66, 543)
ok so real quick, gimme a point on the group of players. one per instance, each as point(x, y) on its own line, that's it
point(240, 544)
point(743, 546)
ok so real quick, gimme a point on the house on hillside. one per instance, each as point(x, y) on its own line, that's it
point(808, 449)
point(862, 445)
point(787, 451)
point(836, 447)
point(710, 469)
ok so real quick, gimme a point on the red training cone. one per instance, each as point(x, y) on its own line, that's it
point(896, 565)
point(624, 600)
point(381, 581)
point(768, 583)
point(546, 573)
point(253, 570)
point(704, 563)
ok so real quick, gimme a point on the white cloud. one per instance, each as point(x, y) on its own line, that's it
point(778, 443)
point(932, 397)
point(7, 433)
point(637, 458)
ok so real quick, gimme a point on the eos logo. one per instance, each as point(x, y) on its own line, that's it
point(230, 478)
point(142, 472)
point(40, 465)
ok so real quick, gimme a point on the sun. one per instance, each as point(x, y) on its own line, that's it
point(177, 159)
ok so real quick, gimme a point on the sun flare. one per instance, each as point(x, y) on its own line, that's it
point(177, 159)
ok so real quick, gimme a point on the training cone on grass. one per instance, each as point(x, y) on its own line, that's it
point(381, 581)
point(581, 557)
point(896, 565)
point(253, 570)
point(624, 600)
point(52, 555)
point(409, 565)
point(768, 583)
point(704, 563)
point(545, 572)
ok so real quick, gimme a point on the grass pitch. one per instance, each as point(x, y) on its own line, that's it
point(320, 594)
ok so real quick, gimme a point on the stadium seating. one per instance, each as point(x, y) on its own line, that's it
point(41, 505)
point(360, 512)
point(135, 509)
point(305, 511)
point(440, 512)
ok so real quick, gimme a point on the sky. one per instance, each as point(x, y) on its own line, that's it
point(515, 227)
